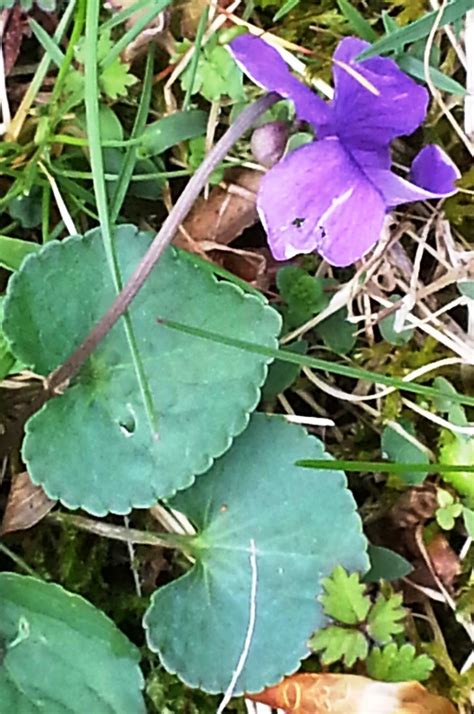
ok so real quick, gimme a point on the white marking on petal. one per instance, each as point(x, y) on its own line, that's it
point(334, 205)
point(357, 76)
point(443, 156)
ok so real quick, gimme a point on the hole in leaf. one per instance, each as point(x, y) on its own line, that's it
point(127, 423)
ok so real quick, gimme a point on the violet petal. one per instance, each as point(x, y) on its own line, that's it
point(433, 170)
point(266, 67)
point(433, 173)
point(317, 198)
point(374, 101)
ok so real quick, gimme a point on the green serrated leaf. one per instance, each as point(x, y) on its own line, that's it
point(61, 655)
point(240, 501)
point(344, 597)
point(110, 457)
point(398, 664)
point(216, 75)
point(115, 79)
point(384, 618)
point(339, 643)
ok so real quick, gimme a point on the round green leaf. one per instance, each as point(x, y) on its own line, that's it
point(95, 446)
point(60, 655)
point(302, 523)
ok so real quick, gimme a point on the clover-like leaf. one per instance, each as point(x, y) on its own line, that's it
point(98, 446)
point(398, 664)
point(300, 522)
point(60, 655)
point(340, 643)
point(217, 74)
point(384, 618)
point(344, 598)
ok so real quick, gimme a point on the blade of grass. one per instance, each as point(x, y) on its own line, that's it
point(414, 67)
point(387, 467)
point(127, 38)
point(119, 17)
point(417, 30)
point(357, 21)
point(195, 58)
point(130, 158)
point(91, 98)
point(285, 9)
point(55, 53)
point(16, 124)
point(319, 364)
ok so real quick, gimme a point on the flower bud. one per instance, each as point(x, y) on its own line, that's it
point(268, 142)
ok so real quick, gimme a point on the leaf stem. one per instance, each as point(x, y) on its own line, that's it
point(59, 378)
point(126, 535)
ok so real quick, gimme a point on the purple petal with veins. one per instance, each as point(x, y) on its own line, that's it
point(331, 195)
point(374, 101)
point(267, 68)
point(433, 173)
point(433, 170)
point(317, 198)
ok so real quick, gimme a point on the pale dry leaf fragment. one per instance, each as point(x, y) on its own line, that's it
point(149, 34)
point(27, 505)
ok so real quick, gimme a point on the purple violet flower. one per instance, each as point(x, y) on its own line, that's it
point(331, 195)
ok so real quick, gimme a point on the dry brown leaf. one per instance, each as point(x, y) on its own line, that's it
point(444, 559)
point(190, 12)
point(226, 213)
point(15, 26)
point(344, 693)
point(27, 504)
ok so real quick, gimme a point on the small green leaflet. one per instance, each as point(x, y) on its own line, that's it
point(385, 617)
point(398, 664)
point(340, 644)
point(344, 597)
